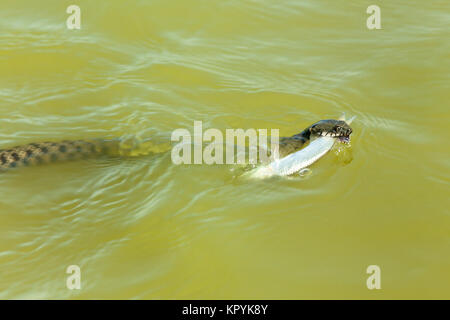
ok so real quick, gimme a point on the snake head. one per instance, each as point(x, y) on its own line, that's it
point(332, 128)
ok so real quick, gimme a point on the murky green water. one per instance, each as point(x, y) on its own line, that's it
point(145, 228)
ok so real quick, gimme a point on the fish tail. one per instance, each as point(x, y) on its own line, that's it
point(349, 121)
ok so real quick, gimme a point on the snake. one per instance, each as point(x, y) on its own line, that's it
point(339, 129)
point(47, 152)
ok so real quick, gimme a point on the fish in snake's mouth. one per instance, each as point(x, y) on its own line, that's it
point(332, 128)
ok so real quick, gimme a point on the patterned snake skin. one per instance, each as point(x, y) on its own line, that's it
point(47, 152)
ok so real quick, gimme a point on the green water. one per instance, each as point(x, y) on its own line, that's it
point(144, 228)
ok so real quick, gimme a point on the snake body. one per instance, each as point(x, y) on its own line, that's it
point(47, 152)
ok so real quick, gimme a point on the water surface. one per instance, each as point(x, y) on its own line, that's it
point(144, 228)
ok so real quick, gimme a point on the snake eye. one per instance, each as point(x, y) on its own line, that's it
point(313, 129)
